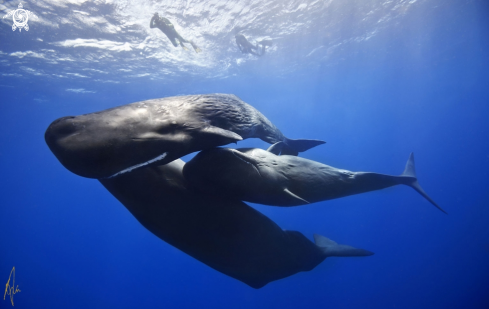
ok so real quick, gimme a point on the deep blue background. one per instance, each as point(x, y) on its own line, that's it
point(421, 86)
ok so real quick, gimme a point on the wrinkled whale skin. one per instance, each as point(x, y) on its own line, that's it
point(154, 132)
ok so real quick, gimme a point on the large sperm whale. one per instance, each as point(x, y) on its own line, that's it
point(262, 177)
point(122, 139)
point(227, 235)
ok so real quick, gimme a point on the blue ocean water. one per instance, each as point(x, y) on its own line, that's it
point(375, 79)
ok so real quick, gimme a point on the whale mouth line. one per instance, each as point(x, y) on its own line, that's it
point(139, 165)
point(234, 152)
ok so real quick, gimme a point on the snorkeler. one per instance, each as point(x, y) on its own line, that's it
point(264, 44)
point(247, 48)
point(167, 28)
point(244, 45)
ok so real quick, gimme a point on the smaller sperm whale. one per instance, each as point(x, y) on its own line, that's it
point(259, 176)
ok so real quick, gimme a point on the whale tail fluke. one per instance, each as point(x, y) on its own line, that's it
point(292, 147)
point(411, 180)
point(331, 248)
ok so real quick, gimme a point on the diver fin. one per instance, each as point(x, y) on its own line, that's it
point(212, 130)
point(412, 181)
point(196, 48)
point(300, 145)
point(332, 248)
point(295, 197)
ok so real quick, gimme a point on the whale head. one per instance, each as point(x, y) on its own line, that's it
point(118, 140)
point(114, 141)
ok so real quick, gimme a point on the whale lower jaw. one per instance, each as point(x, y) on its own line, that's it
point(131, 168)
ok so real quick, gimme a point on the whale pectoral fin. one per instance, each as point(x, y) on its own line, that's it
point(299, 199)
point(222, 133)
point(332, 248)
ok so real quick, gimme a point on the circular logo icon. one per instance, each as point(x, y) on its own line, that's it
point(20, 18)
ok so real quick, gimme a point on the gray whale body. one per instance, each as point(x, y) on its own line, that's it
point(140, 143)
point(154, 132)
point(227, 235)
point(259, 176)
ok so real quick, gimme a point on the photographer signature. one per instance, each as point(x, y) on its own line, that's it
point(11, 290)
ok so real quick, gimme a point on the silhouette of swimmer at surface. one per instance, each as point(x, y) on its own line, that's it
point(247, 48)
point(168, 29)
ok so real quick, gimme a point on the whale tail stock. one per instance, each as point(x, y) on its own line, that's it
point(332, 248)
point(410, 179)
point(292, 147)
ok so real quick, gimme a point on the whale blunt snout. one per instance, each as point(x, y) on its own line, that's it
point(61, 121)
point(63, 118)
point(59, 128)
